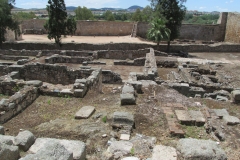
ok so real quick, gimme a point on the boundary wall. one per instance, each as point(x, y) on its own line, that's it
point(122, 47)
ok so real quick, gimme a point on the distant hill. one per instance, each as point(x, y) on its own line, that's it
point(135, 7)
point(71, 8)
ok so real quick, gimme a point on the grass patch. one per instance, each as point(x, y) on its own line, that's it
point(104, 119)
point(195, 132)
point(132, 152)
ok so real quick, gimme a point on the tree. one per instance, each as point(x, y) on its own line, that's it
point(158, 31)
point(58, 23)
point(137, 16)
point(23, 16)
point(83, 13)
point(6, 19)
point(147, 14)
point(173, 11)
point(109, 16)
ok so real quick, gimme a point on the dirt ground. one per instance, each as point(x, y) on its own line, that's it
point(54, 116)
point(85, 39)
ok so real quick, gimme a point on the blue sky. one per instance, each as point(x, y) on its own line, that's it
point(201, 5)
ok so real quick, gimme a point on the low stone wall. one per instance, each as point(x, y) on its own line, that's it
point(67, 59)
point(135, 62)
point(123, 54)
point(123, 47)
point(111, 77)
point(18, 102)
point(54, 74)
point(14, 58)
point(150, 67)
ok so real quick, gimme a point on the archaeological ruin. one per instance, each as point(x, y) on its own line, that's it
point(122, 101)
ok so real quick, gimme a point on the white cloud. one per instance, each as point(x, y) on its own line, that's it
point(202, 8)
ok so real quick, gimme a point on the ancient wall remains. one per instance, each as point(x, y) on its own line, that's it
point(52, 73)
point(84, 28)
point(195, 31)
point(18, 102)
point(233, 28)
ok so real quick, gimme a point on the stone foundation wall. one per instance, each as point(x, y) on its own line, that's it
point(54, 74)
point(111, 77)
point(123, 54)
point(124, 47)
point(150, 67)
point(67, 59)
point(17, 103)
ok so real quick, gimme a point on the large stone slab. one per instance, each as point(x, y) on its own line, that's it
point(236, 95)
point(192, 149)
point(221, 113)
point(9, 152)
point(35, 83)
point(128, 89)
point(124, 118)
point(85, 112)
point(120, 148)
point(78, 148)
point(6, 139)
point(127, 99)
point(231, 120)
point(24, 140)
point(51, 151)
point(161, 152)
point(184, 117)
point(198, 116)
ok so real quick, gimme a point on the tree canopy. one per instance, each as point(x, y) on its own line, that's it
point(173, 11)
point(59, 23)
point(158, 31)
point(6, 19)
point(109, 16)
point(83, 13)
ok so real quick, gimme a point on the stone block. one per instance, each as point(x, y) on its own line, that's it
point(231, 120)
point(236, 95)
point(192, 149)
point(125, 137)
point(79, 93)
point(120, 148)
point(51, 151)
point(221, 98)
point(127, 89)
point(9, 152)
point(85, 112)
point(24, 140)
point(184, 117)
point(124, 118)
point(6, 139)
point(78, 148)
point(35, 83)
point(161, 152)
point(220, 113)
point(127, 99)
point(2, 130)
point(198, 116)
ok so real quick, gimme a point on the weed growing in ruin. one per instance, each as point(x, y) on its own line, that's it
point(132, 152)
point(49, 101)
point(104, 119)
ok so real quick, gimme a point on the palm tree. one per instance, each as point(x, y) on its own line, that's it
point(158, 31)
